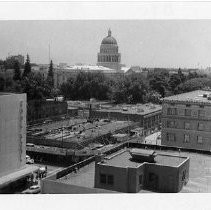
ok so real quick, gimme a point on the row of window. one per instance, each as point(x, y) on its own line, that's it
point(186, 125)
point(188, 112)
point(172, 137)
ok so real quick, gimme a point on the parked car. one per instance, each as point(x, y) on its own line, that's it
point(29, 160)
point(34, 189)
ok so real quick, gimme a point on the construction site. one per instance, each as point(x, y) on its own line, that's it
point(72, 140)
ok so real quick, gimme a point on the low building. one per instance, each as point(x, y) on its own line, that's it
point(40, 109)
point(121, 171)
point(13, 166)
point(63, 73)
point(147, 115)
point(186, 120)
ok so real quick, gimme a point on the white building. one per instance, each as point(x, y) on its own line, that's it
point(13, 139)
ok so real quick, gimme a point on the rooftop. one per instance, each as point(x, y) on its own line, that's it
point(85, 175)
point(194, 97)
point(124, 159)
point(140, 109)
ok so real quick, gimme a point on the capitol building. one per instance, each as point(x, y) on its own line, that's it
point(109, 55)
point(108, 62)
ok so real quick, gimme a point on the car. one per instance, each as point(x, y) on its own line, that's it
point(34, 189)
point(29, 160)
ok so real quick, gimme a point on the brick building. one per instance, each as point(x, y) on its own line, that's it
point(186, 120)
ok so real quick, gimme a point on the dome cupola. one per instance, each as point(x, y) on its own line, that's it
point(109, 39)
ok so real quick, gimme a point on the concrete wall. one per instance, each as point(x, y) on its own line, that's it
point(166, 178)
point(12, 132)
point(183, 170)
point(120, 177)
point(55, 187)
point(133, 179)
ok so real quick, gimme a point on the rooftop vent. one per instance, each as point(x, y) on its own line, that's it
point(143, 155)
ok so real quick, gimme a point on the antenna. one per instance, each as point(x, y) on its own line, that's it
point(49, 52)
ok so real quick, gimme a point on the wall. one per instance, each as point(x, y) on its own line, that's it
point(55, 187)
point(38, 109)
point(120, 177)
point(183, 168)
point(12, 132)
point(166, 178)
point(133, 179)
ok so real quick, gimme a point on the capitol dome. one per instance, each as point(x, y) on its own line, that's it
point(109, 56)
point(109, 39)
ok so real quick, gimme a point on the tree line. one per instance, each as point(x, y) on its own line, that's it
point(33, 84)
point(133, 88)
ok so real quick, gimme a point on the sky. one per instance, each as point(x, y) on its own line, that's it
point(147, 43)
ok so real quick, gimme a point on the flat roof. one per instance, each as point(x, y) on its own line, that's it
point(124, 159)
point(194, 97)
point(83, 177)
point(199, 173)
point(140, 109)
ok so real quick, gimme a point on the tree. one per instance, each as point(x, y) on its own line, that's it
point(174, 81)
point(50, 78)
point(35, 87)
point(27, 67)
point(193, 84)
point(159, 83)
point(17, 72)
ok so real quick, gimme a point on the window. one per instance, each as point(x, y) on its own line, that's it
point(171, 137)
point(106, 179)
point(187, 112)
point(171, 124)
point(200, 126)
point(187, 125)
point(172, 111)
point(102, 178)
point(186, 138)
point(201, 113)
point(110, 179)
point(184, 175)
point(199, 139)
point(140, 179)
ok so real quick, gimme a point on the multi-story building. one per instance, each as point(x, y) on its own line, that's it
point(12, 139)
point(186, 120)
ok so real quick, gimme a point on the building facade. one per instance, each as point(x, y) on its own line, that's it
point(109, 55)
point(12, 132)
point(147, 116)
point(186, 120)
point(40, 109)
